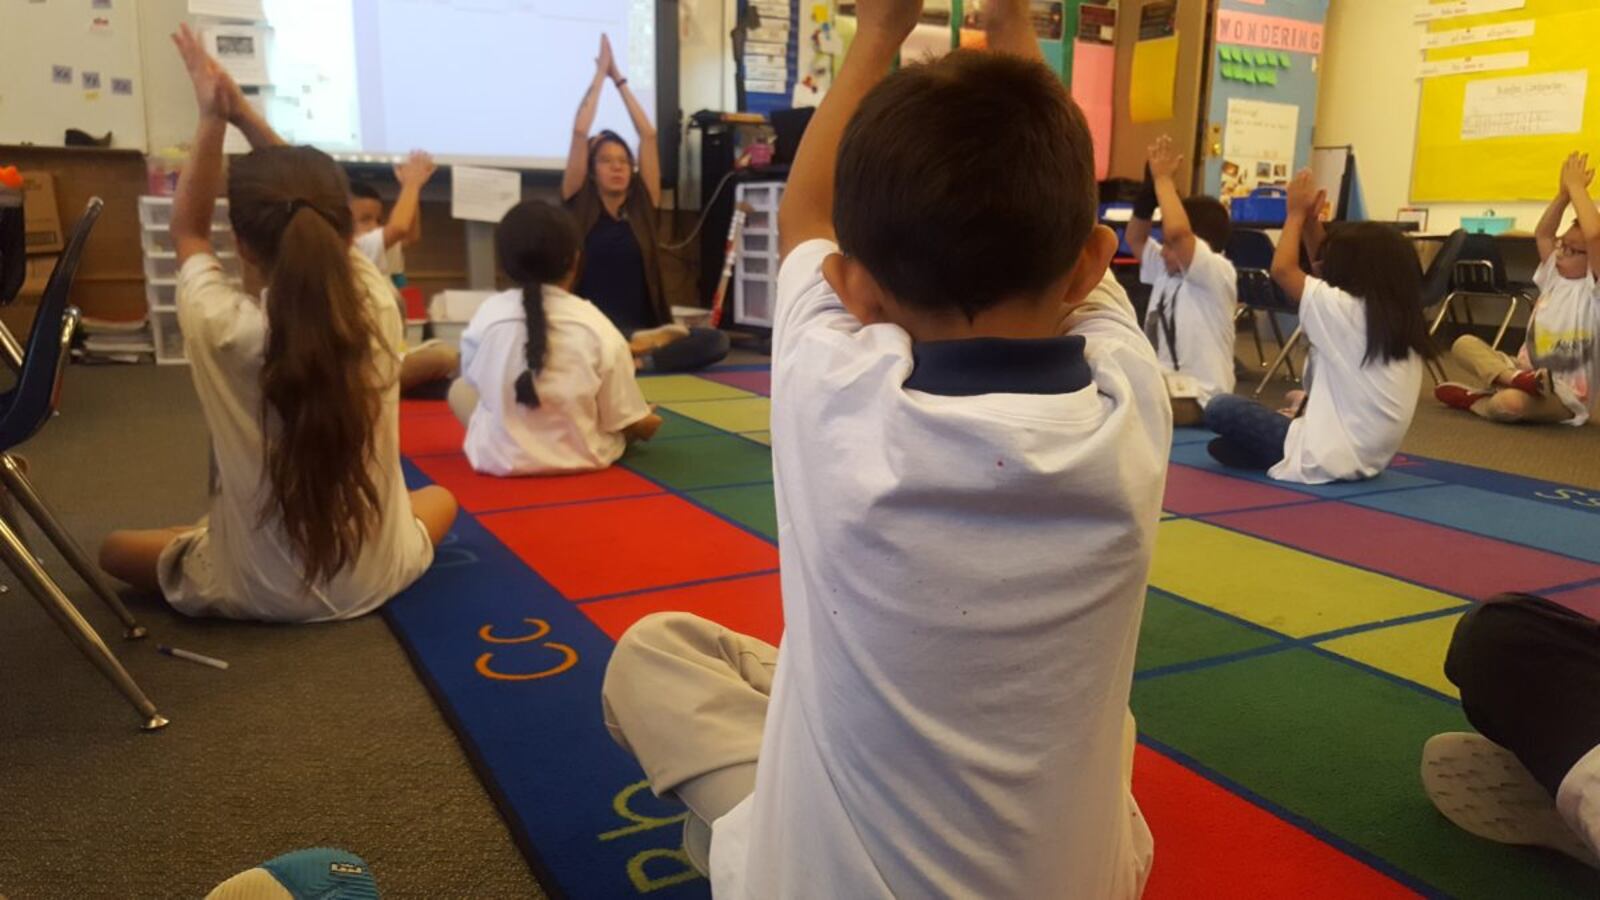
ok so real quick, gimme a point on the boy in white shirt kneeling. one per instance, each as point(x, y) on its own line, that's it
point(970, 434)
point(1194, 294)
point(378, 238)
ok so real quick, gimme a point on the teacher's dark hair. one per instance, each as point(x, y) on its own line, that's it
point(538, 245)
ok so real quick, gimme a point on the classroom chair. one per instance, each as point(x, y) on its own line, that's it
point(1251, 251)
point(1477, 269)
point(24, 409)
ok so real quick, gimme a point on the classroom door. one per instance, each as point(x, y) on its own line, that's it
point(1264, 64)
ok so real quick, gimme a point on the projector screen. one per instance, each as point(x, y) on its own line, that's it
point(493, 82)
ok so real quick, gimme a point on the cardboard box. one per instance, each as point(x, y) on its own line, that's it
point(42, 220)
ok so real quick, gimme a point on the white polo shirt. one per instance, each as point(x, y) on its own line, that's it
point(1191, 316)
point(234, 565)
point(1356, 413)
point(371, 246)
point(587, 390)
point(1564, 337)
point(965, 531)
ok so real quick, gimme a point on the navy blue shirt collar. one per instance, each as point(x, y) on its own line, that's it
point(969, 368)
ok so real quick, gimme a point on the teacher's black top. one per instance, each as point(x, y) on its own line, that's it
point(621, 266)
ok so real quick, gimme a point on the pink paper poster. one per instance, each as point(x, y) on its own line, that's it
point(1094, 68)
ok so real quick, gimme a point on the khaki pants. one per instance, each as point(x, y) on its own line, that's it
point(463, 399)
point(1508, 404)
point(688, 698)
point(427, 363)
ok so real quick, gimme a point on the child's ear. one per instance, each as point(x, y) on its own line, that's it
point(1092, 265)
point(857, 289)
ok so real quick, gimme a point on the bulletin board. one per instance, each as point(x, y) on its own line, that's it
point(1473, 145)
point(71, 65)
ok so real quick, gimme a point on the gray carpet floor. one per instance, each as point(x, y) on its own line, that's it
point(317, 735)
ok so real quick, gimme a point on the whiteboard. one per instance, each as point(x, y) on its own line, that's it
point(71, 64)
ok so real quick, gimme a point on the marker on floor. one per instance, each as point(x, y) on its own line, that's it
point(192, 657)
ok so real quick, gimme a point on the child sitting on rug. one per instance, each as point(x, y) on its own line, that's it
point(1368, 342)
point(376, 238)
point(970, 436)
point(311, 520)
point(1195, 290)
point(1556, 378)
point(547, 383)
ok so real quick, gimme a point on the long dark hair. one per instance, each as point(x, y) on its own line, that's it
point(290, 207)
point(538, 245)
point(1376, 263)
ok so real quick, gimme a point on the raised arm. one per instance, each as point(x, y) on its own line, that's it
point(807, 209)
point(1009, 27)
point(1177, 234)
point(1577, 176)
point(196, 199)
point(1548, 231)
point(1315, 232)
point(1286, 269)
point(649, 143)
point(578, 153)
point(405, 219)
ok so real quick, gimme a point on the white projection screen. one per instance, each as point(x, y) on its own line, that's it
point(493, 82)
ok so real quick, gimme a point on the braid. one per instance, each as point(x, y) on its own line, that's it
point(538, 246)
point(538, 343)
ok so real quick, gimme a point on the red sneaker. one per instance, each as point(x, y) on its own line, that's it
point(1529, 381)
point(1459, 396)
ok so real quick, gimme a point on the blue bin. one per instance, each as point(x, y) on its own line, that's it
point(1264, 206)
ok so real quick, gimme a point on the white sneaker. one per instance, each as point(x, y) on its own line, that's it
point(1484, 790)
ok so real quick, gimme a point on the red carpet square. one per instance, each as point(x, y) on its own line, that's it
point(485, 493)
point(1211, 843)
point(1584, 600)
point(1192, 492)
point(414, 408)
point(1467, 565)
point(420, 435)
point(752, 606)
point(616, 546)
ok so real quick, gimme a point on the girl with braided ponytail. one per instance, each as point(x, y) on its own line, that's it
point(300, 390)
point(547, 381)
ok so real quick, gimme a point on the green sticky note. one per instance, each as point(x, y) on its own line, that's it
point(1284, 60)
point(1261, 58)
point(1269, 77)
point(1226, 71)
point(1250, 76)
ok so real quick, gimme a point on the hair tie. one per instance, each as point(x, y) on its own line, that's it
point(300, 203)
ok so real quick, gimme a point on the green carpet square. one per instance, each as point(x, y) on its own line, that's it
point(702, 462)
point(1342, 748)
point(675, 426)
point(1175, 632)
point(754, 507)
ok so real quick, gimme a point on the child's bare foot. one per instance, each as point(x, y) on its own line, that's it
point(642, 342)
point(644, 429)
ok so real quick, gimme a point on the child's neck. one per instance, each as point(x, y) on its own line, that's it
point(613, 202)
point(1010, 321)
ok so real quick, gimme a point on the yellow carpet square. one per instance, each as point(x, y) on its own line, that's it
point(760, 437)
point(678, 388)
point(1414, 651)
point(1273, 586)
point(739, 415)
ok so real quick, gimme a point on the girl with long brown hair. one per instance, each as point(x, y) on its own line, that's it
point(300, 390)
